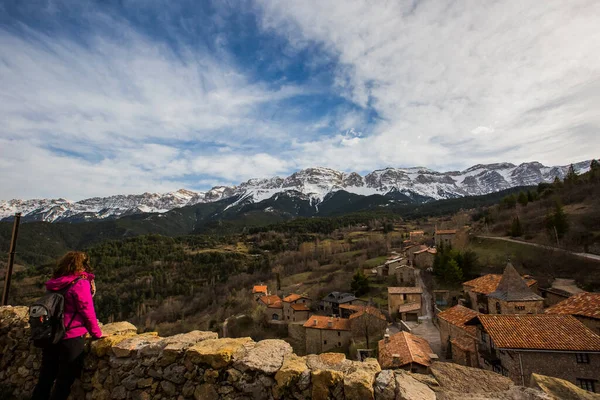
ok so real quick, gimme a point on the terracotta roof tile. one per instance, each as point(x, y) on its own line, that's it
point(272, 301)
point(407, 348)
point(539, 332)
point(406, 307)
point(259, 289)
point(488, 283)
point(445, 232)
point(299, 307)
point(360, 310)
point(405, 289)
point(458, 315)
point(293, 297)
point(322, 322)
point(584, 304)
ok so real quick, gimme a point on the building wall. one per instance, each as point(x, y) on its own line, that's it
point(515, 307)
point(447, 239)
point(323, 340)
point(559, 365)
point(424, 260)
point(479, 302)
point(449, 331)
point(294, 316)
point(394, 300)
point(370, 325)
point(405, 276)
point(550, 298)
point(298, 316)
point(269, 312)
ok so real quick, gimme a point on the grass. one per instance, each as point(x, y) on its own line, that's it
point(295, 279)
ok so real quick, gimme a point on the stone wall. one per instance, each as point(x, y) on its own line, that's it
point(515, 307)
point(197, 365)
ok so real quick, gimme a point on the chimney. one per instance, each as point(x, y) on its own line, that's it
point(386, 337)
point(330, 323)
point(395, 359)
point(314, 322)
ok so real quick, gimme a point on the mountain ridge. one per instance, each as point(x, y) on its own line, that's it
point(415, 184)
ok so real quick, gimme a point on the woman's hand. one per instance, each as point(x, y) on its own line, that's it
point(93, 286)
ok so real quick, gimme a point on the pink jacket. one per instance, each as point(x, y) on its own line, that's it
point(79, 305)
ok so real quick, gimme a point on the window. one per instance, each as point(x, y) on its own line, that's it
point(587, 384)
point(582, 358)
point(275, 317)
point(339, 344)
point(484, 337)
point(520, 308)
point(324, 341)
point(498, 308)
point(339, 333)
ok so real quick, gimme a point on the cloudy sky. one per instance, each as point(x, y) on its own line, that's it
point(107, 97)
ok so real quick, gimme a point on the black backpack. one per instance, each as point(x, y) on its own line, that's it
point(47, 317)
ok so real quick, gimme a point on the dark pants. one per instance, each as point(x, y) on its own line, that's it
point(63, 363)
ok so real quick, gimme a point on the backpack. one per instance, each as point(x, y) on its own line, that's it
point(47, 317)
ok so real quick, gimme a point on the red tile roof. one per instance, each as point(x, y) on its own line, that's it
point(360, 310)
point(272, 301)
point(299, 307)
point(583, 304)
point(259, 289)
point(458, 315)
point(405, 289)
point(293, 297)
point(322, 322)
point(539, 332)
point(488, 283)
point(406, 307)
point(404, 348)
point(446, 232)
point(464, 343)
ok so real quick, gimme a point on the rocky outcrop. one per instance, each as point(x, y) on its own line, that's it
point(198, 365)
point(558, 388)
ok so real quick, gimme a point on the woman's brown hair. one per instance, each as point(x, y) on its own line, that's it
point(72, 263)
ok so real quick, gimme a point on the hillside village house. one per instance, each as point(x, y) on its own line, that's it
point(405, 275)
point(411, 250)
point(405, 301)
point(459, 340)
point(327, 333)
point(583, 306)
point(477, 290)
point(560, 290)
point(404, 350)
point(331, 303)
point(368, 323)
point(258, 291)
point(445, 237)
point(513, 296)
point(295, 308)
point(274, 307)
point(424, 258)
point(548, 344)
point(416, 236)
point(387, 268)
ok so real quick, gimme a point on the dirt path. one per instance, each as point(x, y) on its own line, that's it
point(583, 255)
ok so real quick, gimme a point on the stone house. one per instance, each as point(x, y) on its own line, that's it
point(405, 301)
point(548, 344)
point(424, 258)
point(411, 250)
point(404, 350)
point(325, 334)
point(331, 303)
point(416, 236)
point(477, 290)
point(405, 275)
point(513, 296)
point(258, 291)
point(295, 308)
point(387, 268)
point(560, 290)
point(273, 307)
point(583, 306)
point(445, 237)
point(458, 340)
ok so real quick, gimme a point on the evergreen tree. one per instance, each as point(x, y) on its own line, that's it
point(360, 283)
point(516, 229)
point(595, 170)
point(529, 196)
point(522, 199)
point(557, 182)
point(557, 222)
point(571, 177)
point(509, 201)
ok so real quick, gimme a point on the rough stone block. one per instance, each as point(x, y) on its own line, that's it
point(218, 353)
point(265, 357)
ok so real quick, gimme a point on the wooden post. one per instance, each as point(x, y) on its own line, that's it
point(11, 259)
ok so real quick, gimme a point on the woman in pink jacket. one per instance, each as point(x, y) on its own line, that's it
point(62, 363)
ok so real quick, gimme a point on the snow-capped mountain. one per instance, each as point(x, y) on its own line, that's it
point(313, 184)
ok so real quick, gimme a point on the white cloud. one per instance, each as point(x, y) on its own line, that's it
point(433, 69)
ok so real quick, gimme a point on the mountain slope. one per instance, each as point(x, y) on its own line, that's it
point(312, 185)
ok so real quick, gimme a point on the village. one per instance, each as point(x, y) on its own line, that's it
point(503, 323)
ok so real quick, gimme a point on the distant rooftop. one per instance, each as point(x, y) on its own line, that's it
point(445, 232)
point(332, 323)
point(458, 316)
point(405, 289)
point(513, 288)
point(404, 348)
point(339, 297)
point(259, 289)
point(488, 283)
point(271, 301)
point(583, 304)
